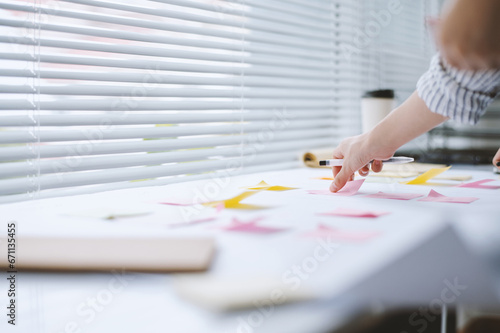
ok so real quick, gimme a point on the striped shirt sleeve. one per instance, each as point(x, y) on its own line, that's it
point(458, 94)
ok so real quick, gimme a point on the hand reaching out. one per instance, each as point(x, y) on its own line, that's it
point(357, 153)
point(408, 121)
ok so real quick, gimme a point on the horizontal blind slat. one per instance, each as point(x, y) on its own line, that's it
point(151, 119)
point(254, 47)
point(286, 35)
point(254, 37)
point(154, 51)
point(249, 20)
point(89, 147)
point(155, 78)
point(231, 7)
point(19, 169)
point(147, 182)
point(44, 135)
point(231, 69)
point(106, 90)
point(127, 104)
point(16, 186)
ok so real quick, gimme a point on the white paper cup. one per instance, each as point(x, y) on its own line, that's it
point(375, 106)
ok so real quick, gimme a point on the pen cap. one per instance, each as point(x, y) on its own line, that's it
point(375, 106)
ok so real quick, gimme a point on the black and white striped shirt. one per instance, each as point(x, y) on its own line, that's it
point(458, 94)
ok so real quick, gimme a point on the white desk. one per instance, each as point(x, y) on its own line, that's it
point(52, 302)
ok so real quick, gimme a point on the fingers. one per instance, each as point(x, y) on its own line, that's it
point(337, 153)
point(341, 175)
point(377, 166)
point(496, 159)
point(336, 170)
point(364, 170)
point(346, 173)
point(356, 156)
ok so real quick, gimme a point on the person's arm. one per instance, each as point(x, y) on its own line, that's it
point(469, 34)
point(403, 124)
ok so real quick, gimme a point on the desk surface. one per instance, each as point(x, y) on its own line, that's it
point(130, 302)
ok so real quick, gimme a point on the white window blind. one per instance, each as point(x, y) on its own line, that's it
point(99, 95)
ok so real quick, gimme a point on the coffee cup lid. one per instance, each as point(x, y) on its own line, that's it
point(382, 93)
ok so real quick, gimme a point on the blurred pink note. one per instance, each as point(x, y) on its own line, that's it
point(219, 207)
point(324, 231)
point(347, 212)
point(251, 227)
point(350, 188)
point(395, 196)
point(479, 184)
point(436, 197)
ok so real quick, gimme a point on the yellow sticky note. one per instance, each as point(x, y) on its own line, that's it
point(263, 186)
point(234, 203)
point(323, 178)
point(423, 178)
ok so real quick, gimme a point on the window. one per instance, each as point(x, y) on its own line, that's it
point(100, 95)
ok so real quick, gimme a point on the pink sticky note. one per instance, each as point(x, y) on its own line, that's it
point(395, 196)
point(436, 197)
point(479, 184)
point(251, 227)
point(219, 207)
point(350, 188)
point(324, 231)
point(347, 212)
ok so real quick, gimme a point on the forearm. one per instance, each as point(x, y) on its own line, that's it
point(410, 120)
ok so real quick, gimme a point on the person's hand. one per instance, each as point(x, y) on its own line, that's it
point(408, 121)
point(496, 159)
point(357, 152)
point(469, 34)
